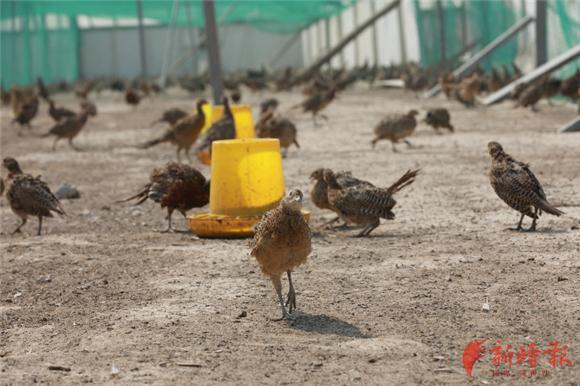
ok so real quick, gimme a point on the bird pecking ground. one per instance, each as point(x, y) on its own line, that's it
point(112, 301)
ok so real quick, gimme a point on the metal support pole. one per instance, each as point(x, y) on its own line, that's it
point(141, 39)
point(169, 37)
point(375, 40)
point(466, 67)
point(541, 45)
point(402, 36)
point(463, 24)
point(305, 47)
point(114, 48)
point(319, 35)
point(192, 37)
point(354, 26)
point(441, 20)
point(327, 38)
point(212, 40)
point(340, 35)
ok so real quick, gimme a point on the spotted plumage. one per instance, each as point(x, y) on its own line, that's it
point(439, 117)
point(183, 133)
point(531, 95)
point(225, 128)
point(365, 206)
point(282, 242)
point(272, 126)
point(175, 187)
point(517, 186)
point(68, 128)
point(58, 113)
point(171, 116)
point(396, 127)
point(29, 196)
point(318, 102)
point(319, 192)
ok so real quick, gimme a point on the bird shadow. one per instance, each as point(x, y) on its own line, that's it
point(326, 325)
point(539, 230)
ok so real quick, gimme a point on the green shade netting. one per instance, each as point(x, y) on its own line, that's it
point(30, 48)
point(484, 21)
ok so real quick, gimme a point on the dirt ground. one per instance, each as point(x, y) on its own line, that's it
point(104, 294)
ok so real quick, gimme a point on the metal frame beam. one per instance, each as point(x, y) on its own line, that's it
point(571, 127)
point(306, 73)
point(544, 69)
point(466, 67)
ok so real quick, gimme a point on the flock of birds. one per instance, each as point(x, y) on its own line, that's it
point(282, 238)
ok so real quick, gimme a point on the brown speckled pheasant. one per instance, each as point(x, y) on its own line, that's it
point(571, 86)
point(317, 102)
point(58, 113)
point(396, 127)
point(282, 243)
point(283, 129)
point(29, 196)
point(225, 128)
point(175, 187)
point(69, 128)
point(268, 104)
point(319, 192)
point(184, 133)
point(132, 97)
point(89, 107)
point(365, 206)
point(466, 91)
point(171, 116)
point(532, 94)
point(439, 117)
point(517, 186)
point(27, 112)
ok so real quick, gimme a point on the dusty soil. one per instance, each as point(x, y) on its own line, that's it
point(102, 288)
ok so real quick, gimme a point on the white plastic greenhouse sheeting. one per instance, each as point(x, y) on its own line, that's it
point(108, 53)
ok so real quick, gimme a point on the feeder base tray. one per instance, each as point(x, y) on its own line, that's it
point(220, 226)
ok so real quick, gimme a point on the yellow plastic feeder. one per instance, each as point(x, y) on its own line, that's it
point(242, 117)
point(246, 181)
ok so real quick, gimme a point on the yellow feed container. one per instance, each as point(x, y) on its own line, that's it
point(246, 181)
point(242, 117)
point(246, 177)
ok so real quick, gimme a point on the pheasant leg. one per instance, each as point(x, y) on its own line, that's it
point(291, 300)
point(20, 226)
point(394, 148)
point(54, 143)
point(169, 228)
point(369, 228)
point(533, 227)
point(39, 226)
point(519, 227)
point(278, 287)
point(332, 221)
